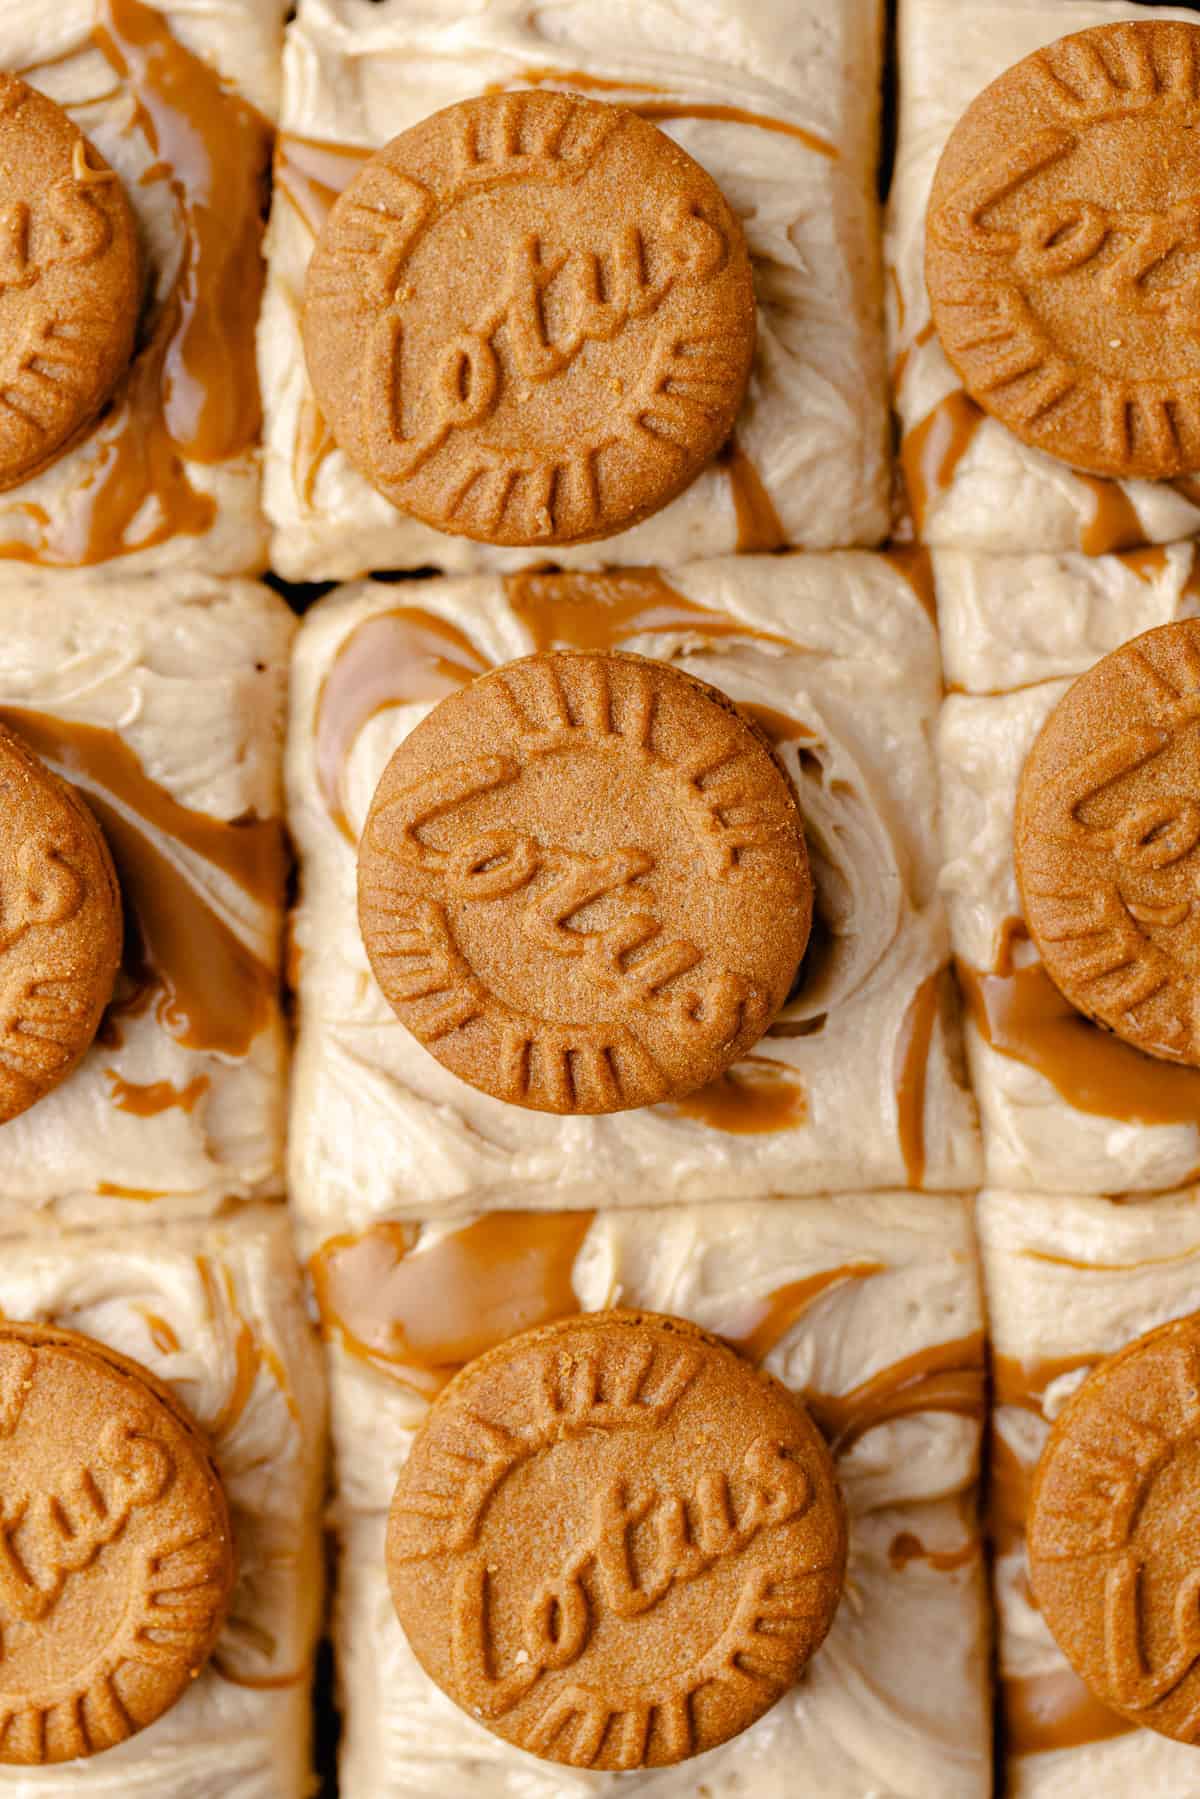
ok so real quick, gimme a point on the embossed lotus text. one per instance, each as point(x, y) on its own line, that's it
point(593, 295)
point(1122, 814)
point(1070, 313)
point(43, 1006)
point(67, 228)
point(47, 1537)
point(114, 1560)
point(578, 959)
point(689, 1534)
point(717, 1576)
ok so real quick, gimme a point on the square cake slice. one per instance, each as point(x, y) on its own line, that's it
point(1070, 1280)
point(162, 701)
point(868, 1305)
point(856, 1083)
point(780, 104)
point(1065, 1106)
point(179, 99)
point(971, 483)
point(217, 1313)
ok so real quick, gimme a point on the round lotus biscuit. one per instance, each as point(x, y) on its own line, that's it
point(583, 883)
point(60, 928)
point(1063, 249)
point(70, 285)
point(530, 319)
point(1107, 842)
point(118, 1554)
point(616, 1543)
point(1114, 1531)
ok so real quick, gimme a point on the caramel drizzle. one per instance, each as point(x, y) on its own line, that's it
point(756, 1096)
point(779, 726)
point(604, 611)
point(150, 1099)
point(666, 109)
point(192, 388)
point(904, 354)
point(251, 1357)
point(947, 1377)
point(209, 991)
point(1054, 1710)
point(142, 1195)
point(759, 526)
point(419, 1318)
point(163, 1335)
point(1114, 523)
point(396, 658)
point(786, 1305)
point(311, 172)
point(905, 1548)
point(931, 452)
point(1146, 563)
point(911, 1073)
point(914, 564)
point(1021, 1014)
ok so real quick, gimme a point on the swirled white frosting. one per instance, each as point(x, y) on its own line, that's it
point(1011, 621)
point(189, 672)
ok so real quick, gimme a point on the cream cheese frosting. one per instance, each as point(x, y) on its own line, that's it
point(856, 1084)
point(215, 1311)
point(869, 1305)
point(971, 483)
point(780, 103)
point(163, 699)
point(1069, 1282)
point(177, 98)
point(1065, 1107)
point(1012, 621)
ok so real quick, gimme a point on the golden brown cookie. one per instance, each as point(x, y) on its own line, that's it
point(615, 1542)
point(60, 928)
point(1107, 842)
point(530, 319)
point(583, 883)
point(1063, 249)
point(116, 1554)
point(1114, 1531)
point(69, 281)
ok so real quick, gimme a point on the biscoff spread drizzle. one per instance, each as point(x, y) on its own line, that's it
point(183, 957)
point(191, 392)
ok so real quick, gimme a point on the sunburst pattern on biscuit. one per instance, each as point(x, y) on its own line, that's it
point(1086, 80)
point(528, 137)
